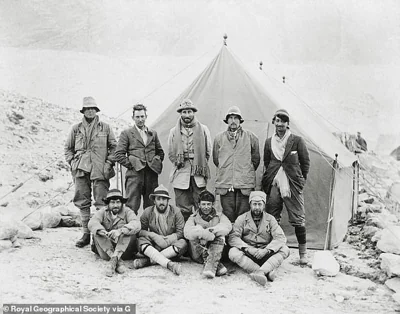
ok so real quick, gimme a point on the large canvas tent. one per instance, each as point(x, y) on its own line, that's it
point(225, 82)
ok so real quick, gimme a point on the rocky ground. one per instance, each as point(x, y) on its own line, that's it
point(48, 268)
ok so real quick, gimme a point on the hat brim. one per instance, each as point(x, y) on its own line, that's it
point(83, 109)
point(122, 199)
point(152, 196)
point(186, 108)
point(240, 117)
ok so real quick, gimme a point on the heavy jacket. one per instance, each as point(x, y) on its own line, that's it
point(131, 152)
point(268, 234)
point(175, 222)
point(126, 219)
point(220, 225)
point(236, 163)
point(180, 178)
point(295, 162)
point(90, 154)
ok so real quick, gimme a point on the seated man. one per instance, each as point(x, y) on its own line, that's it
point(114, 229)
point(206, 231)
point(258, 242)
point(161, 237)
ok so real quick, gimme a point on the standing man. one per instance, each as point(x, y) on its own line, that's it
point(89, 151)
point(236, 154)
point(206, 231)
point(287, 163)
point(189, 148)
point(140, 151)
point(258, 242)
point(114, 229)
point(161, 237)
point(361, 142)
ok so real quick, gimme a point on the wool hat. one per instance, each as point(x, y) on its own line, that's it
point(207, 196)
point(282, 112)
point(185, 105)
point(234, 110)
point(258, 196)
point(161, 190)
point(114, 194)
point(89, 102)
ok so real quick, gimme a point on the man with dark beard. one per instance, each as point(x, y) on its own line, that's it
point(206, 231)
point(236, 154)
point(258, 242)
point(114, 229)
point(161, 237)
point(89, 150)
point(189, 148)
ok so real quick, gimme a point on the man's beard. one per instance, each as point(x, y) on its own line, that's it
point(115, 210)
point(162, 208)
point(257, 214)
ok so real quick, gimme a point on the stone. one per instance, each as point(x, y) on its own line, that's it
point(370, 231)
point(325, 264)
point(377, 236)
point(374, 220)
point(63, 210)
point(50, 218)
point(5, 245)
point(34, 221)
point(389, 241)
point(393, 284)
point(69, 221)
point(390, 263)
point(396, 297)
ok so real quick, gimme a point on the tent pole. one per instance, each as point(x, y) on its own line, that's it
point(356, 178)
point(117, 178)
point(328, 236)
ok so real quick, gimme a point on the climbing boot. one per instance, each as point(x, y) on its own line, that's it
point(111, 266)
point(85, 240)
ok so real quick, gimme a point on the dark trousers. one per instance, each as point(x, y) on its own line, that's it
point(234, 204)
point(138, 184)
point(294, 206)
point(188, 200)
point(125, 247)
point(83, 192)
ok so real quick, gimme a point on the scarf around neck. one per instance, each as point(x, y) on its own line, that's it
point(208, 217)
point(161, 221)
point(199, 166)
point(278, 146)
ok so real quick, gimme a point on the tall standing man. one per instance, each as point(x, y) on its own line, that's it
point(140, 151)
point(189, 149)
point(89, 151)
point(236, 154)
point(287, 163)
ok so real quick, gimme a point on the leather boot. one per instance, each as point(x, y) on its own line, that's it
point(141, 262)
point(85, 240)
point(120, 267)
point(303, 254)
point(212, 261)
point(174, 267)
point(111, 266)
point(221, 270)
point(259, 277)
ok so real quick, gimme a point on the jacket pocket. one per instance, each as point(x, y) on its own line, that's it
point(156, 165)
point(109, 171)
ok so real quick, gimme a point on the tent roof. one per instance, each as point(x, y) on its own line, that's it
point(225, 83)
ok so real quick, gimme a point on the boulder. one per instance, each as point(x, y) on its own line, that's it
point(5, 245)
point(62, 210)
point(50, 217)
point(396, 297)
point(390, 263)
point(394, 284)
point(325, 264)
point(370, 231)
point(69, 221)
point(390, 240)
point(34, 221)
point(377, 236)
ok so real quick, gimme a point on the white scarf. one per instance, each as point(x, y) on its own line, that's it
point(278, 146)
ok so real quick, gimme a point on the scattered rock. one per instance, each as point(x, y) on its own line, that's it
point(396, 297)
point(394, 284)
point(390, 240)
point(390, 263)
point(50, 218)
point(325, 264)
point(69, 221)
point(45, 177)
point(34, 221)
point(62, 210)
point(5, 204)
point(370, 231)
point(5, 245)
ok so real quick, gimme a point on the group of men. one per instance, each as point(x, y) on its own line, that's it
point(248, 225)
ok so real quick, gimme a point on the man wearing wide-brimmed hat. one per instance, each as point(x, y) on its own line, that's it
point(89, 151)
point(206, 231)
point(140, 151)
point(189, 149)
point(236, 154)
point(258, 242)
point(114, 229)
point(287, 162)
point(161, 238)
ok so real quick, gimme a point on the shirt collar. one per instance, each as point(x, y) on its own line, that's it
point(145, 129)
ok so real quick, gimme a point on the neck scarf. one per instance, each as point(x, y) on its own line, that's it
point(233, 136)
point(199, 166)
point(208, 217)
point(161, 221)
point(278, 146)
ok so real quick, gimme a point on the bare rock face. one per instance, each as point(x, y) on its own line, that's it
point(389, 241)
point(393, 284)
point(390, 263)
